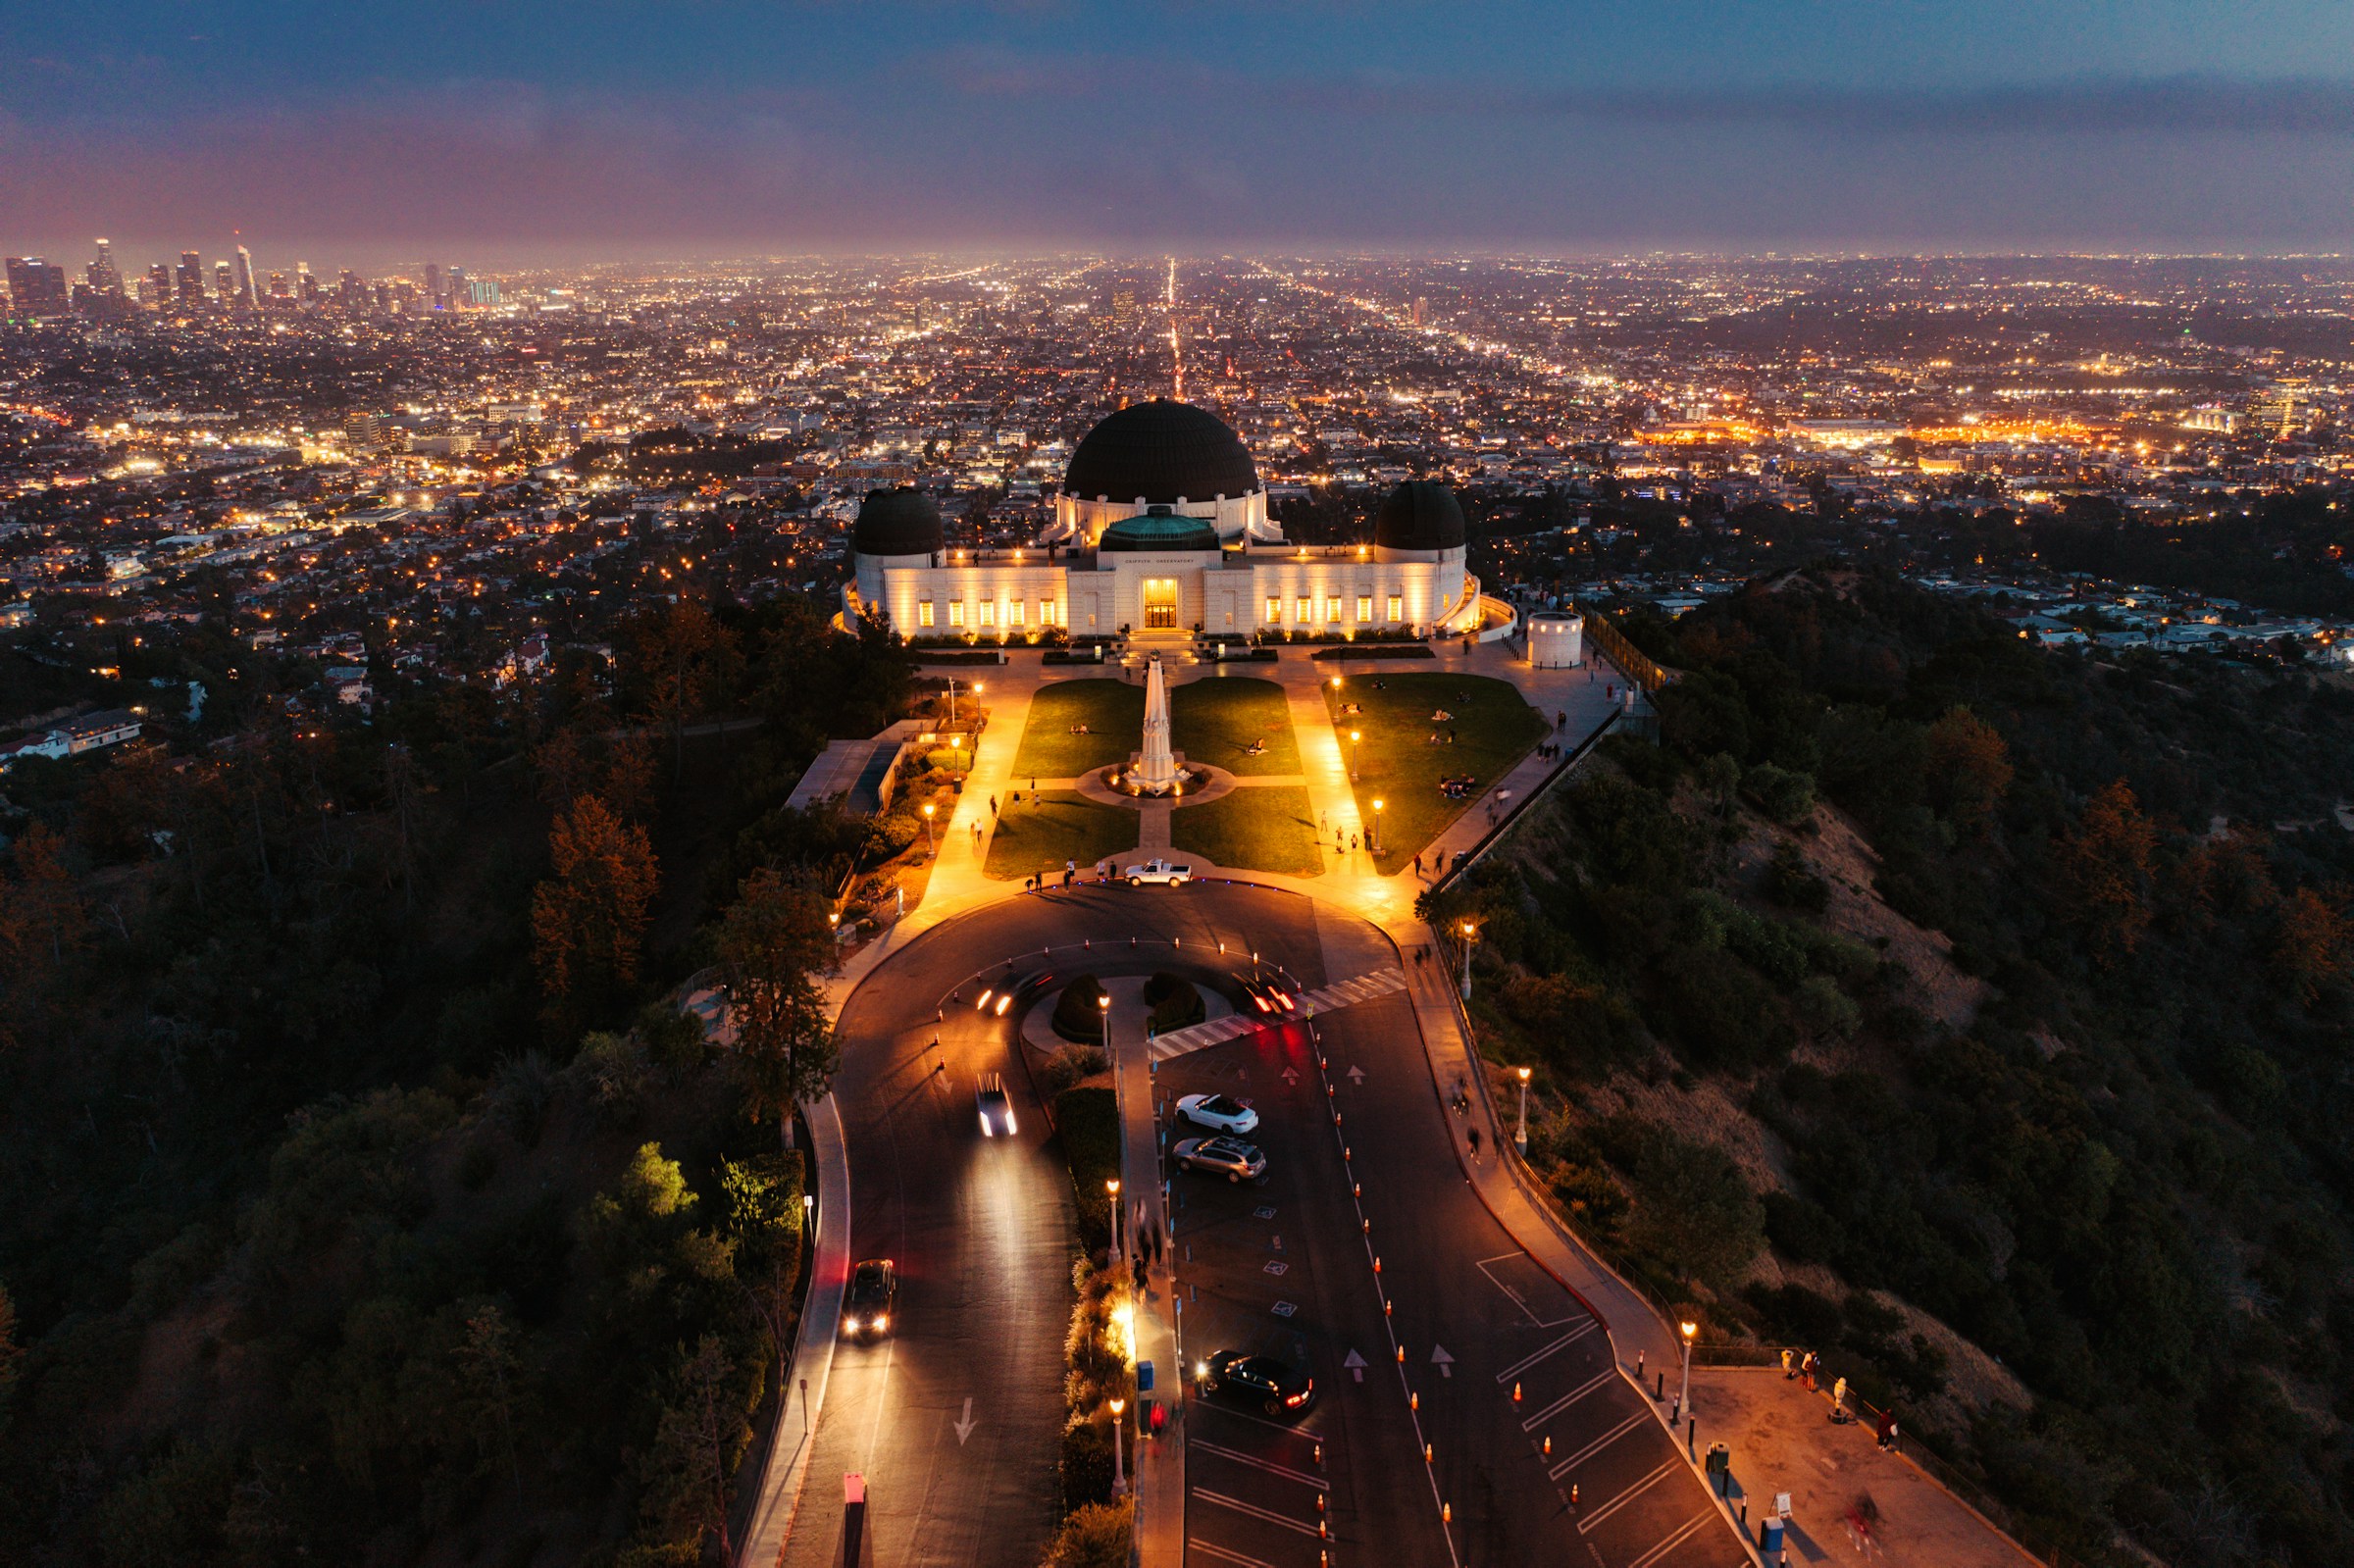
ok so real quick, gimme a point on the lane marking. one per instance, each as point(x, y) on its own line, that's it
point(1269, 1466)
point(1672, 1541)
point(1251, 1510)
point(1224, 1555)
point(1528, 1361)
point(1567, 1399)
point(1629, 1496)
point(1598, 1445)
point(1271, 1426)
point(1520, 1301)
point(964, 1427)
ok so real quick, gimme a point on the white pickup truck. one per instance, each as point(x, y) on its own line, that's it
point(1164, 871)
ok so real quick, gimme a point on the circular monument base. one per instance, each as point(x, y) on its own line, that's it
point(1199, 782)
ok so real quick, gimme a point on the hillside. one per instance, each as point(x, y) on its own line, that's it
point(1960, 1006)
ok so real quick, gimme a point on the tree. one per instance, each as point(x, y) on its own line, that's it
point(683, 659)
point(2103, 870)
point(703, 1431)
point(12, 1355)
point(491, 1364)
point(589, 919)
point(764, 1217)
point(1968, 768)
point(2311, 943)
point(49, 910)
point(773, 943)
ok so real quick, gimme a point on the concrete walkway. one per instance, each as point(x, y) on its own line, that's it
point(1782, 1438)
point(787, 1470)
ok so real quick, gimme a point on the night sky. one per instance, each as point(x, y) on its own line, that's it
point(506, 132)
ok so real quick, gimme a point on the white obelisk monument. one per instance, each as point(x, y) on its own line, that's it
point(1154, 770)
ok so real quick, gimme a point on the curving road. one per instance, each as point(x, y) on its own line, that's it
point(981, 1230)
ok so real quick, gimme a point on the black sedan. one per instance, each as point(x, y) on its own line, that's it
point(1275, 1387)
point(872, 1299)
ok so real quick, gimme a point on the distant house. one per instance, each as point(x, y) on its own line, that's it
point(89, 732)
point(349, 684)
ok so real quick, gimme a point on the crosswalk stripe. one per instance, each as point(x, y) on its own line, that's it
point(1197, 1446)
point(1224, 1555)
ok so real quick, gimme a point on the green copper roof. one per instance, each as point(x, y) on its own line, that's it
point(1159, 533)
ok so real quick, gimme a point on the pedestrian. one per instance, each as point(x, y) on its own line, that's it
point(1788, 1370)
point(1034, 786)
point(992, 807)
point(1139, 1268)
point(1839, 1400)
point(1417, 865)
point(1806, 1367)
point(1475, 1142)
point(1561, 718)
point(1888, 1429)
point(1352, 844)
point(1070, 869)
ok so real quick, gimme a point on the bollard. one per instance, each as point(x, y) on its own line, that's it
point(1662, 1392)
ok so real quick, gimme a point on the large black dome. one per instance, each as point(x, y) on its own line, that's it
point(1160, 450)
point(1419, 515)
point(900, 522)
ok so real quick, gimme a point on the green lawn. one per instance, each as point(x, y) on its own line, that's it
point(1494, 727)
point(1114, 712)
point(1215, 719)
point(1267, 828)
point(1040, 834)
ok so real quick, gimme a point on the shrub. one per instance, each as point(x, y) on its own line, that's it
point(1095, 1536)
point(1789, 883)
point(1694, 1210)
point(1175, 1002)
point(1087, 1121)
point(1069, 1065)
point(1079, 1013)
point(1826, 1009)
point(1783, 793)
point(1592, 1196)
point(1087, 1468)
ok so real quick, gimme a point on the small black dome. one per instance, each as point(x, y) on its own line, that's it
point(900, 522)
point(1162, 451)
point(1419, 515)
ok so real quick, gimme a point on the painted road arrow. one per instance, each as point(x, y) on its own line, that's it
point(964, 1427)
point(1356, 1365)
point(1356, 1076)
point(1442, 1360)
point(1291, 1075)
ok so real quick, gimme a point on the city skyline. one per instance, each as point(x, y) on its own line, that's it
point(536, 137)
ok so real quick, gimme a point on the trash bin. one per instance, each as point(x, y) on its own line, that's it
point(1769, 1540)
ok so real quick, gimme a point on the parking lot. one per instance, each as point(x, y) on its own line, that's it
point(1277, 1267)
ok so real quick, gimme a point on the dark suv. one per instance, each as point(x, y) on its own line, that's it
point(1276, 1387)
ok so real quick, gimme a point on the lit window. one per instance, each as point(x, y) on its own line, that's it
point(1332, 608)
point(1046, 612)
point(1364, 607)
point(1397, 607)
point(1304, 608)
point(1014, 612)
point(955, 612)
point(989, 612)
point(1274, 608)
point(923, 612)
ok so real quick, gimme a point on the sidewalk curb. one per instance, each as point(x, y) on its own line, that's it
point(813, 1343)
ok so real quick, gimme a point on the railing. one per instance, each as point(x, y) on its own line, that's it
point(1638, 665)
point(1512, 812)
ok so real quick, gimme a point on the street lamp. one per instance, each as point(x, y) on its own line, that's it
point(1119, 1471)
point(1470, 936)
point(1521, 1138)
point(808, 1210)
point(930, 848)
point(1377, 803)
point(1111, 1185)
point(1683, 1399)
point(1354, 737)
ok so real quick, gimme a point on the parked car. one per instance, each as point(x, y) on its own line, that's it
point(873, 1298)
point(1275, 1387)
point(1219, 1113)
point(996, 1108)
point(1165, 873)
point(1231, 1157)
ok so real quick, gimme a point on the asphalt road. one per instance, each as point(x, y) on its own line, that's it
point(981, 1230)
